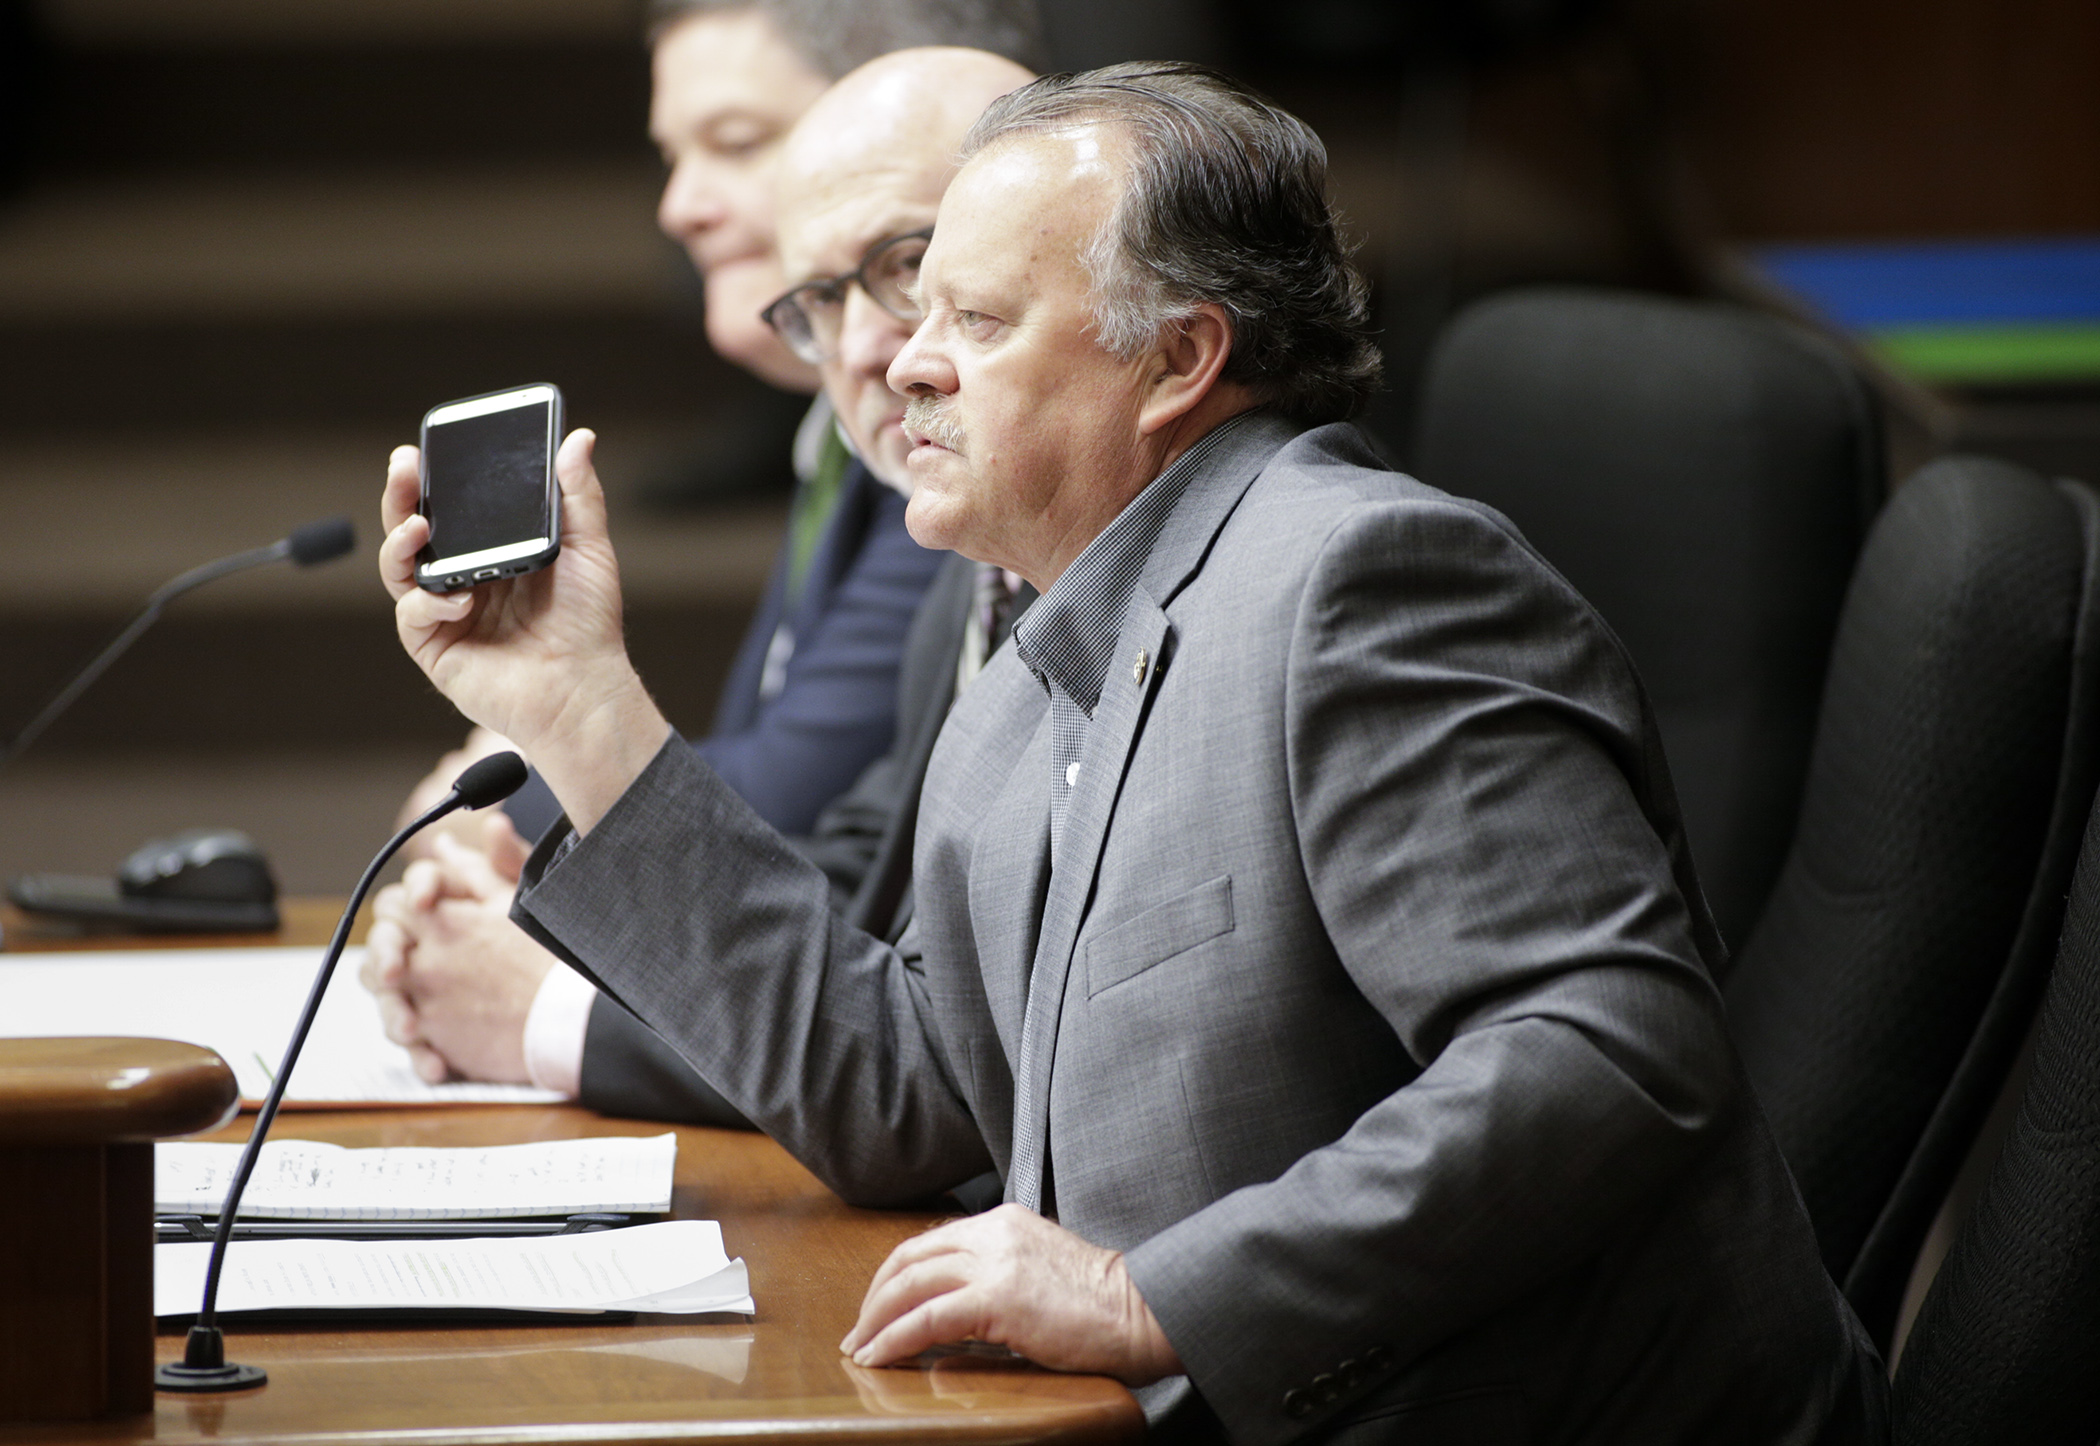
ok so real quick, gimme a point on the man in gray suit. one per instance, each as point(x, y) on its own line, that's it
point(1304, 926)
point(858, 181)
point(862, 843)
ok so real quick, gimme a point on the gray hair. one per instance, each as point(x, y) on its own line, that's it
point(1225, 203)
point(836, 36)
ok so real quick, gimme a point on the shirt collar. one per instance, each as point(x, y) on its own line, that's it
point(1069, 636)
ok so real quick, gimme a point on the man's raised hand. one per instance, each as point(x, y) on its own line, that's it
point(539, 658)
point(490, 648)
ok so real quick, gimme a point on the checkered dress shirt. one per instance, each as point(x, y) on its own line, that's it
point(1068, 639)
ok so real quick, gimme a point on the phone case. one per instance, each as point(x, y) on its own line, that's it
point(516, 567)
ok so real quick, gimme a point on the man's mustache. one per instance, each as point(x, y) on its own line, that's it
point(927, 417)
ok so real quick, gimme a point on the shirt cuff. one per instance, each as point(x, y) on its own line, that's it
point(554, 1031)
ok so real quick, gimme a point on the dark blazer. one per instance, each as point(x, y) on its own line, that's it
point(1368, 1007)
point(863, 842)
point(836, 710)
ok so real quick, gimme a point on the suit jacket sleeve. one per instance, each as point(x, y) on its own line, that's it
point(864, 846)
point(752, 950)
point(629, 1071)
point(836, 711)
point(1475, 805)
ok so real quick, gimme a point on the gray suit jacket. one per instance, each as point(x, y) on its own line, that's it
point(1372, 1011)
point(862, 841)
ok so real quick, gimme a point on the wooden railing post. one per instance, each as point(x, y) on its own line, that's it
point(78, 1118)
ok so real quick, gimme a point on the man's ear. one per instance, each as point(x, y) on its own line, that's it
point(1186, 365)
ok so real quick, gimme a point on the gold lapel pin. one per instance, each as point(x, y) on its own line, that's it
point(1137, 669)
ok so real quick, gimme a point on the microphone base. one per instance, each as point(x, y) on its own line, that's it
point(175, 1376)
point(204, 1367)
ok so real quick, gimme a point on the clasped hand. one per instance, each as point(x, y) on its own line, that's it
point(454, 978)
point(1011, 1278)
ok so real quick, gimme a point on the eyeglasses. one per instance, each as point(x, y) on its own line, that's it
point(810, 317)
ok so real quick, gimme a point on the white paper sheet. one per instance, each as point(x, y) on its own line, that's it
point(307, 1180)
point(676, 1266)
point(242, 1003)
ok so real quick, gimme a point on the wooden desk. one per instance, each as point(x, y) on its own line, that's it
point(660, 1379)
point(304, 921)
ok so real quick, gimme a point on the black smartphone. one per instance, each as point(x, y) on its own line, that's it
point(489, 488)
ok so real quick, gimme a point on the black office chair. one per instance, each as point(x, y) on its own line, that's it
point(1883, 995)
point(1704, 475)
point(2006, 1347)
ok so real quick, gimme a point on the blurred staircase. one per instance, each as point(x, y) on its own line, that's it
point(252, 244)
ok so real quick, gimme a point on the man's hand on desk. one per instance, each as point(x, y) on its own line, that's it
point(1014, 1279)
point(453, 976)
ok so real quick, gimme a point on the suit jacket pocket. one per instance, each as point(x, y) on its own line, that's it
point(1158, 934)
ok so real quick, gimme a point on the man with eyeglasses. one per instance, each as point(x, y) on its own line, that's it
point(811, 317)
point(812, 697)
point(861, 176)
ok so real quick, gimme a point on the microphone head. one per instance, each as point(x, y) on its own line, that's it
point(491, 780)
point(322, 541)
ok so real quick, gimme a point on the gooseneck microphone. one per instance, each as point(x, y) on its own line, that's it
point(203, 1366)
point(322, 541)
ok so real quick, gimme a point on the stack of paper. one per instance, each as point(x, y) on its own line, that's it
point(305, 1180)
point(676, 1266)
point(242, 1003)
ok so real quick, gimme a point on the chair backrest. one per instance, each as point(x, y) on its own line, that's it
point(1704, 475)
point(1881, 999)
point(2007, 1344)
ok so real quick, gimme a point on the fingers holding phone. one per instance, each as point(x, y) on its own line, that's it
point(535, 652)
point(419, 616)
point(402, 530)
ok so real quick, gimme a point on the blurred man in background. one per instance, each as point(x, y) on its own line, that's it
point(863, 178)
point(810, 698)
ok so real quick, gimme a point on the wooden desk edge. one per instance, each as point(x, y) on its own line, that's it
point(92, 1091)
point(746, 1174)
point(304, 922)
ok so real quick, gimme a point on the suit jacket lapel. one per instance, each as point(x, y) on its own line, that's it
point(1145, 633)
point(1013, 848)
point(1118, 717)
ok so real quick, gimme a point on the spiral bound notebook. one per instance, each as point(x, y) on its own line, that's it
point(307, 1180)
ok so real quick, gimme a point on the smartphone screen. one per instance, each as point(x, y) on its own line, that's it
point(488, 486)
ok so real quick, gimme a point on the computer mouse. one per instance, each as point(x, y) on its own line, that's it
point(221, 865)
